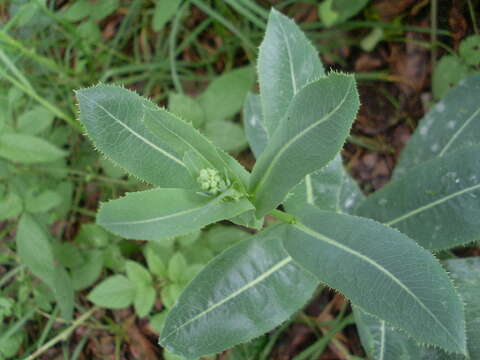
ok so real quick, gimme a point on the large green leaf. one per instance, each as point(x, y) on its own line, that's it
point(287, 62)
point(452, 123)
point(310, 135)
point(466, 276)
point(113, 118)
point(330, 188)
point(184, 138)
point(244, 292)
point(225, 95)
point(382, 271)
point(436, 203)
point(255, 129)
point(36, 252)
point(162, 213)
point(382, 342)
point(28, 149)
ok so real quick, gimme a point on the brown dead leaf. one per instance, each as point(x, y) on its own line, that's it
point(139, 345)
point(410, 64)
point(458, 23)
point(368, 62)
point(388, 9)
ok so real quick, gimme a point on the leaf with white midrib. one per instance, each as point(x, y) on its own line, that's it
point(113, 118)
point(308, 138)
point(451, 124)
point(238, 292)
point(183, 137)
point(382, 341)
point(375, 264)
point(287, 62)
point(407, 286)
point(396, 345)
point(241, 294)
point(133, 132)
point(161, 213)
point(299, 136)
point(437, 214)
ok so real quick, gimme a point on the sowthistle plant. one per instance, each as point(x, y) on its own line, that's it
point(368, 249)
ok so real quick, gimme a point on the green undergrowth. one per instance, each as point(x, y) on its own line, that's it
point(59, 270)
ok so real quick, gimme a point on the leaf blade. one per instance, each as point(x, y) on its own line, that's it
point(465, 275)
point(115, 292)
point(374, 257)
point(440, 214)
point(309, 137)
point(183, 138)
point(264, 265)
point(287, 61)
point(127, 142)
point(28, 149)
point(451, 124)
point(255, 129)
point(36, 252)
point(162, 213)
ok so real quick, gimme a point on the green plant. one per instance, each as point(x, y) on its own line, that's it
point(211, 111)
point(296, 127)
point(333, 12)
point(435, 213)
point(452, 68)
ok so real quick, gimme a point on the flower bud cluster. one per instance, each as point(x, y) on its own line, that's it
point(210, 181)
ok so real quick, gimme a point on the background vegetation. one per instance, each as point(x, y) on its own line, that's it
point(197, 58)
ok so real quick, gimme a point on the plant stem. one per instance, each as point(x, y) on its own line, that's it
point(64, 334)
point(283, 216)
point(471, 10)
point(6, 278)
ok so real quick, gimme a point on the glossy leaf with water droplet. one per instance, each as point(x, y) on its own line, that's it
point(382, 271)
point(437, 203)
point(452, 123)
point(242, 293)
